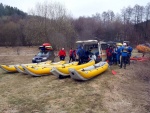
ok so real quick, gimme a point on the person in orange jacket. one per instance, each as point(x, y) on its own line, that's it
point(62, 54)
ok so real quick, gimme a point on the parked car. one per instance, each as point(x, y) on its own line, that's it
point(43, 56)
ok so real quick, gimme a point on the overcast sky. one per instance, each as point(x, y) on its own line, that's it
point(79, 7)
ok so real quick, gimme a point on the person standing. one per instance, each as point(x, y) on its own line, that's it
point(119, 48)
point(71, 55)
point(74, 55)
point(124, 55)
point(129, 53)
point(62, 54)
point(81, 54)
point(109, 54)
point(114, 55)
point(107, 50)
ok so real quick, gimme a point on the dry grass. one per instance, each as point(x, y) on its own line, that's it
point(126, 92)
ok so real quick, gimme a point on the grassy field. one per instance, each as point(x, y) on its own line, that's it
point(126, 92)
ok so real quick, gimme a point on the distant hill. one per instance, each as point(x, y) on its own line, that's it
point(6, 10)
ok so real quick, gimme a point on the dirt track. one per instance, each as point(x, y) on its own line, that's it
point(126, 92)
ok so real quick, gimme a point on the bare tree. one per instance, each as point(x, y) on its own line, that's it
point(138, 12)
point(111, 15)
point(129, 12)
point(53, 23)
point(147, 11)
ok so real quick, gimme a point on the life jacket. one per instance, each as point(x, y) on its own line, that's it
point(125, 49)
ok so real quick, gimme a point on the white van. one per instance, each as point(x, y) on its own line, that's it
point(98, 49)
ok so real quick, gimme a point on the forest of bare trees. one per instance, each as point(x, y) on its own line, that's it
point(50, 22)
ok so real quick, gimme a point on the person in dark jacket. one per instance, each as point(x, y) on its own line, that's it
point(81, 54)
point(62, 54)
point(129, 54)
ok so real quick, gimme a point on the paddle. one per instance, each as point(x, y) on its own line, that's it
point(112, 71)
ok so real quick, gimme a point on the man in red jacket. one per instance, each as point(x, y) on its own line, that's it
point(62, 54)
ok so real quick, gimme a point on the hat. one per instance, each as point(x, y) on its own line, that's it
point(119, 44)
point(124, 44)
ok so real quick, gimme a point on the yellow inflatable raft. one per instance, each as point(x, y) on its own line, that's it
point(42, 65)
point(88, 72)
point(63, 71)
point(8, 68)
point(12, 68)
point(21, 69)
point(41, 71)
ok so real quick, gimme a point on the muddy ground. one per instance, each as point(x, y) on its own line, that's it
point(126, 92)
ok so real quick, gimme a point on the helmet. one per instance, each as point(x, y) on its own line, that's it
point(124, 44)
point(119, 44)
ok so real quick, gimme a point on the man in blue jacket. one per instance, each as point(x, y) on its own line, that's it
point(124, 55)
point(81, 54)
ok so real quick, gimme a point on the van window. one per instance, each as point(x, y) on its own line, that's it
point(90, 46)
point(93, 48)
point(104, 46)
